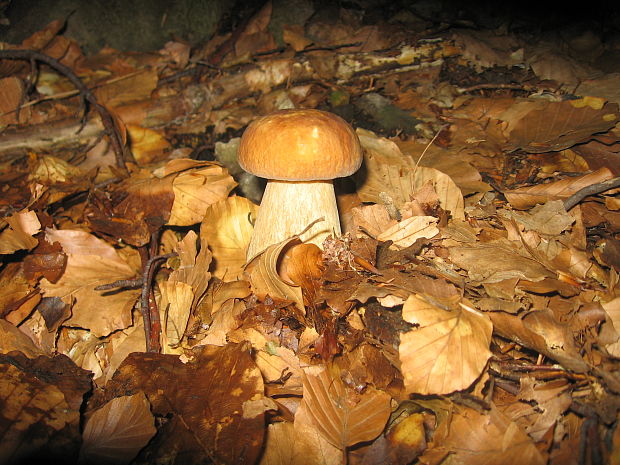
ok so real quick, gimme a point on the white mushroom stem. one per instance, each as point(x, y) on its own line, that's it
point(288, 207)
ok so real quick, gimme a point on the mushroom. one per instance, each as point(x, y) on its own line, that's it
point(300, 152)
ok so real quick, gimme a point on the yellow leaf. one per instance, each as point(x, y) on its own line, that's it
point(447, 352)
point(227, 229)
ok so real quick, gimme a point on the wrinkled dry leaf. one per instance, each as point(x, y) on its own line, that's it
point(12, 339)
point(90, 263)
point(540, 330)
point(342, 416)
point(447, 352)
point(489, 438)
point(115, 433)
point(227, 228)
point(495, 262)
point(390, 172)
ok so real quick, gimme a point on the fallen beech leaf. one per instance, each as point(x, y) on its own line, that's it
point(406, 232)
point(115, 433)
point(490, 439)
point(21, 227)
point(208, 393)
point(140, 206)
point(12, 339)
point(147, 145)
point(195, 189)
point(183, 288)
point(447, 352)
point(390, 172)
point(560, 125)
point(227, 229)
point(552, 400)
point(91, 262)
point(265, 279)
point(341, 415)
point(310, 445)
point(497, 261)
point(550, 218)
point(539, 330)
point(41, 400)
point(526, 197)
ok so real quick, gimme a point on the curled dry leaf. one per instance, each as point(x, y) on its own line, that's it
point(266, 281)
point(197, 188)
point(390, 172)
point(115, 433)
point(526, 197)
point(447, 352)
point(184, 287)
point(341, 415)
point(227, 228)
point(18, 235)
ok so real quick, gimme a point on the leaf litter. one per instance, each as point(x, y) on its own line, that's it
point(468, 314)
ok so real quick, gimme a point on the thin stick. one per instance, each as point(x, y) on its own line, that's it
point(592, 189)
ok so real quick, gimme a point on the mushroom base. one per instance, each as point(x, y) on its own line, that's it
point(288, 208)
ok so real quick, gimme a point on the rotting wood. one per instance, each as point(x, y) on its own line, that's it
point(230, 84)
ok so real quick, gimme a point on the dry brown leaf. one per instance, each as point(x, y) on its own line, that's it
point(225, 320)
point(90, 263)
point(311, 446)
point(447, 352)
point(549, 218)
point(406, 232)
point(552, 400)
point(539, 330)
point(196, 189)
point(147, 145)
point(41, 400)
point(183, 289)
point(18, 235)
point(560, 125)
point(207, 393)
point(140, 206)
point(12, 339)
point(133, 87)
point(115, 433)
point(526, 197)
point(388, 171)
point(342, 416)
point(265, 279)
point(489, 438)
point(227, 229)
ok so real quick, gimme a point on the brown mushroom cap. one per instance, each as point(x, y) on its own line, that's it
point(300, 145)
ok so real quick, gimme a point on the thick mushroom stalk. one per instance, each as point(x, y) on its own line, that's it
point(299, 152)
point(288, 208)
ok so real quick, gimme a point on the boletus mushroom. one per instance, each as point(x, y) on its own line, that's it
point(299, 152)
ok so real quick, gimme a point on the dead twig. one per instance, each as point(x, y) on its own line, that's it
point(592, 189)
point(88, 97)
